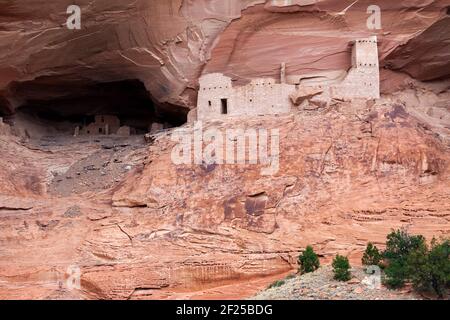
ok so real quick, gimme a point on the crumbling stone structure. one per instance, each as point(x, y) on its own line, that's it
point(155, 127)
point(104, 125)
point(363, 79)
point(218, 97)
point(125, 131)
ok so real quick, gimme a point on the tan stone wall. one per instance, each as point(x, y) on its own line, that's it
point(213, 88)
point(265, 96)
point(103, 124)
point(113, 122)
point(261, 96)
point(363, 79)
point(359, 83)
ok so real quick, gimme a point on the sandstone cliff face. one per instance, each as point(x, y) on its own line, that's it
point(139, 226)
point(168, 44)
point(168, 231)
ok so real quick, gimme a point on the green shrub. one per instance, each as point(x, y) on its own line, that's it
point(429, 269)
point(341, 268)
point(291, 276)
point(399, 246)
point(400, 243)
point(396, 273)
point(277, 284)
point(372, 256)
point(308, 261)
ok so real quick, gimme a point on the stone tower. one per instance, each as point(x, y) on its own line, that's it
point(365, 53)
point(363, 79)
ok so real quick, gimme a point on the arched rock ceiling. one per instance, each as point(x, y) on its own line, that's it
point(168, 44)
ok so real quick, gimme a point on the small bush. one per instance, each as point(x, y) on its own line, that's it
point(341, 268)
point(291, 276)
point(396, 274)
point(372, 256)
point(277, 284)
point(308, 261)
point(430, 269)
point(399, 246)
point(408, 258)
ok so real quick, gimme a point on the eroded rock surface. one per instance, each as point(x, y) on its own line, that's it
point(139, 227)
point(167, 45)
point(347, 176)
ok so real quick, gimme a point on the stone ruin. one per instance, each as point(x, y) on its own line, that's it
point(363, 79)
point(217, 97)
point(104, 125)
point(264, 96)
point(108, 124)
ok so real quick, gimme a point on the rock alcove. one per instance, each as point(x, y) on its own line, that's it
point(48, 106)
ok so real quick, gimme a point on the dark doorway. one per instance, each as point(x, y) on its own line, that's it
point(224, 104)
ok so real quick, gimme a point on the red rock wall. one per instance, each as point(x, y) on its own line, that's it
point(168, 44)
point(166, 231)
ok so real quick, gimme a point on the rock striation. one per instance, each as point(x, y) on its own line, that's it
point(170, 231)
point(168, 45)
point(133, 225)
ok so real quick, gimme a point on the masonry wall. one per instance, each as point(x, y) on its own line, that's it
point(218, 97)
point(363, 79)
point(213, 88)
point(260, 97)
point(263, 96)
point(104, 124)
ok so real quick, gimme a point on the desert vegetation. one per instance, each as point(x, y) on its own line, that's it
point(406, 260)
point(308, 261)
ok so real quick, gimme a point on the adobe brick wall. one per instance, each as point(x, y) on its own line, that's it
point(260, 97)
point(264, 96)
point(363, 79)
point(104, 124)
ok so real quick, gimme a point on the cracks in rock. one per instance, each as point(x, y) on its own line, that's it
point(124, 232)
point(65, 43)
point(134, 62)
point(130, 205)
point(287, 261)
point(375, 156)
point(42, 32)
point(141, 289)
point(322, 164)
point(15, 208)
